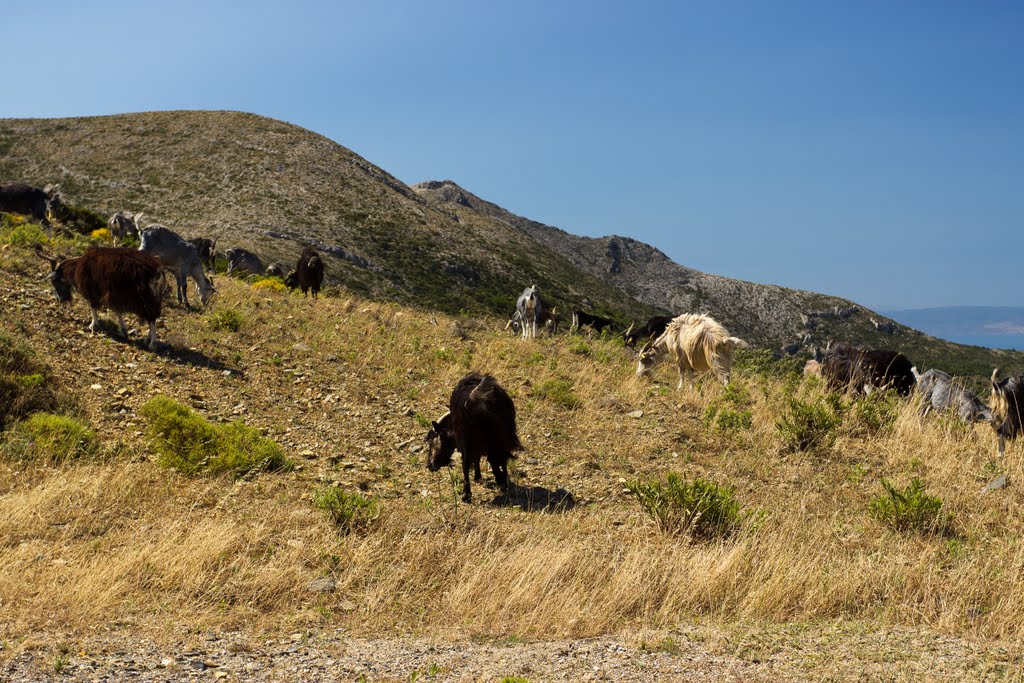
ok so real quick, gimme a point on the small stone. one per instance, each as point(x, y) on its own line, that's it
point(96, 387)
point(636, 414)
point(998, 483)
point(324, 585)
point(198, 664)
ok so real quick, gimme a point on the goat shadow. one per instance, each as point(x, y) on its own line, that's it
point(176, 354)
point(536, 499)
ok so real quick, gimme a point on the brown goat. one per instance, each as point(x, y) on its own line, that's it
point(121, 279)
point(308, 273)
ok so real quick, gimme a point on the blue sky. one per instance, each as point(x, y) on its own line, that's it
point(873, 150)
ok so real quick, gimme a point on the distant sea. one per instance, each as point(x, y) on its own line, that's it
point(997, 327)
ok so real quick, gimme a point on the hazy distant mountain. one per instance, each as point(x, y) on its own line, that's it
point(1000, 327)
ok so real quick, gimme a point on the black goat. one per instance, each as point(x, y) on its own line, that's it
point(308, 273)
point(121, 279)
point(651, 329)
point(481, 420)
point(848, 368)
point(595, 322)
point(207, 250)
point(1007, 407)
point(31, 201)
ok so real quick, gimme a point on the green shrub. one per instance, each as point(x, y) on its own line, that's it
point(226, 319)
point(557, 391)
point(701, 509)
point(581, 348)
point(348, 511)
point(186, 442)
point(911, 510)
point(762, 362)
point(26, 384)
point(872, 414)
point(80, 219)
point(50, 438)
point(810, 425)
point(729, 413)
point(18, 232)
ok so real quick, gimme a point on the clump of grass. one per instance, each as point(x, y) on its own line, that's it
point(700, 509)
point(186, 442)
point(348, 511)
point(762, 362)
point(911, 510)
point(871, 414)
point(730, 413)
point(268, 284)
point(49, 438)
point(581, 348)
point(226, 319)
point(18, 232)
point(557, 391)
point(26, 384)
point(810, 425)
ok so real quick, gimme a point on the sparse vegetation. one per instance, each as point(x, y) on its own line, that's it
point(226, 319)
point(348, 511)
point(558, 391)
point(188, 443)
point(911, 509)
point(810, 425)
point(700, 509)
point(26, 384)
point(53, 439)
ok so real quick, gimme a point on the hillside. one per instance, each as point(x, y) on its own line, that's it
point(116, 564)
point(272, 187)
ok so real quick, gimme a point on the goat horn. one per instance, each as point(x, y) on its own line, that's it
point(40, 254)
point(994, 373)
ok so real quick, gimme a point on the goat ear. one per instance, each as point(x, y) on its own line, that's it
point(995, 382)
point(435, 426)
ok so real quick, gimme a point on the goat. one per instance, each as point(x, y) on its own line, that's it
point(124, 224)
point(939, 391)
point(1007, 407)
point(117, 278)
point(481, 420)
point(308, 273)
point(31, 201)
point(530, 308)
point(207, 250)
point(698, 343)
point(595, 322)
point(853, 369)
point(181, 257)
point(651, 329)
point(243, 259)
point(275, 269)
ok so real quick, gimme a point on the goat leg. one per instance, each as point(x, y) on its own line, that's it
point(466, 496)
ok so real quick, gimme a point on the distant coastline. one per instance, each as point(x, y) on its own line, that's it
point(996, 327)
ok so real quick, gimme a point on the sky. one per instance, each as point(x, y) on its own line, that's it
point(871, 150)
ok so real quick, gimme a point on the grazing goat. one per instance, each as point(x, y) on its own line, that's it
point(595, 322)
point(531, 310)
point(243, 259)
point(181, 257)
point(939, 391)
point(848, 368)
point(275, 269)
point(117, 278)
point(481, 420)
point(1007, 407)
point(651, 329)
point(207, 250)
point(124, 224)
point(698, 343)
point(31, 201)
point(308, 273)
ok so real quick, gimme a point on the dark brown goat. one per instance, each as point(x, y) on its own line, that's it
point(121, 279)
point(848, 368)
point(308, 273)
point(481, 420)
point(31, 201)
point(207, 250)
point(1007, 407)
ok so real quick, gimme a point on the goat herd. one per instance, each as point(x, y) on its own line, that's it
point(481, 416)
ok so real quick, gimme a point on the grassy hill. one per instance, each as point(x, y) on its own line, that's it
point(807, 580)
point(273, 187)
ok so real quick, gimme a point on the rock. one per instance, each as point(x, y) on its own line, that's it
point(998, 483)
point(324, 585)
point(636, 414)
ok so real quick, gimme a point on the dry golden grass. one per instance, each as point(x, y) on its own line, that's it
point(121, 539)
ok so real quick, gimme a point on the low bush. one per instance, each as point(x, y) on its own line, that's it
point(911, 510)
point(557, 391)
point(871, 414)
point(226, 319)
point(26, 385)
point(762, 362)
point(54, 439)
point(730, 412)
point(810, 425)
point(18, 232)
point(348, 511)
point(268, 284)
point(701, 509)
point(186, 442)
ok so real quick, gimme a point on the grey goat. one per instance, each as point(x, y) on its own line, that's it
point(181, 257)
